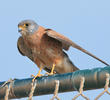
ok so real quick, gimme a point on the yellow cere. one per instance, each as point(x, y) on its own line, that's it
point(22, 27)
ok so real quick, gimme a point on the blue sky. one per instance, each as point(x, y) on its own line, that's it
point(86, 22)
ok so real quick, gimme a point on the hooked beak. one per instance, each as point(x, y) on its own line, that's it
point(20, 28)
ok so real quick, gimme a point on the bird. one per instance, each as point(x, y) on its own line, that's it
point(47, 48)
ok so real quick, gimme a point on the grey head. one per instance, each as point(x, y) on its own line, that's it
point(27, 27)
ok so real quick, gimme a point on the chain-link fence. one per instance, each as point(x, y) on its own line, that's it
point(76, 81)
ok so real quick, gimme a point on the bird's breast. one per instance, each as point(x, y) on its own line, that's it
point(50, 51)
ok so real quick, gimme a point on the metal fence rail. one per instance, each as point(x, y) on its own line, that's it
point(76, 81)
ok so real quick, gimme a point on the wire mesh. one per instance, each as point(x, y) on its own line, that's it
point(56, 91)
point(7, 86)
point(33, 86)
point(81, 90)
point(105, 87)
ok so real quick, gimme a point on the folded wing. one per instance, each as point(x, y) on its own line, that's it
point(67, 43)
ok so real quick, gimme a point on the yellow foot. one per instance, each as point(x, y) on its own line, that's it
point(51, 73)
point(34, 77)
point(38, 75)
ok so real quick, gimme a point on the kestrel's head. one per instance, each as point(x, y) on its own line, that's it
point(27, 27)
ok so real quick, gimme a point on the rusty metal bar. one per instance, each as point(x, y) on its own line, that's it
point(19, 88)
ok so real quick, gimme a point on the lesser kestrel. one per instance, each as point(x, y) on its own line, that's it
point(46, 48)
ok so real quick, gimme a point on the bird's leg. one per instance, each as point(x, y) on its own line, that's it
point(38, 74)
point(52, 71)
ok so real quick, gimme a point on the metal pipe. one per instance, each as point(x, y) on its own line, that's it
point(94, 79)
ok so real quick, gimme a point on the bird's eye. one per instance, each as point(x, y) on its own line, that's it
point(27, 24)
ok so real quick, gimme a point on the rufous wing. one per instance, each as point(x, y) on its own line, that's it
point(67, 43)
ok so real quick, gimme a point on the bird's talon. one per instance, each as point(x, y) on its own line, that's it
point(50, 73)
point(38, 75)
point(34, 77)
